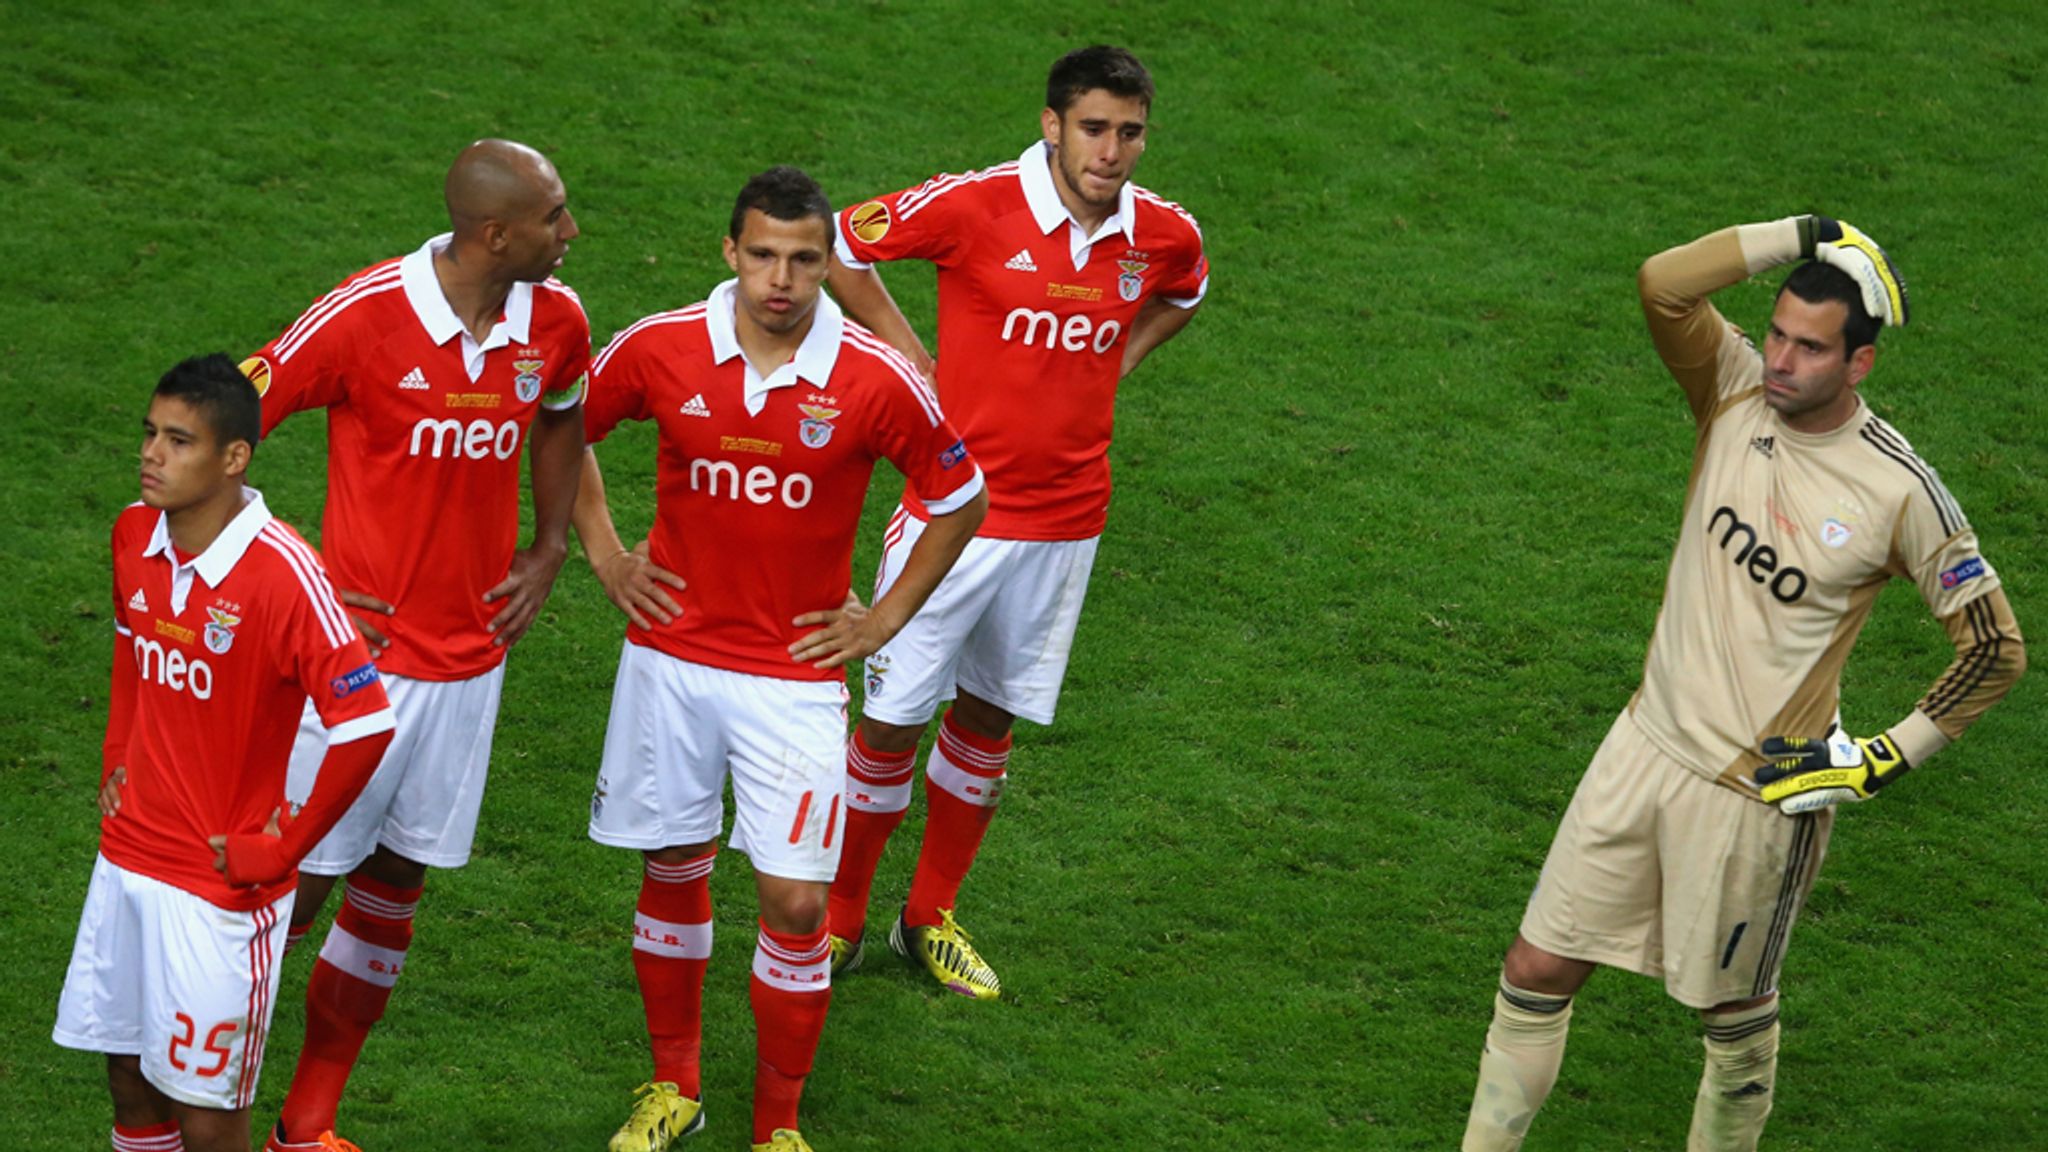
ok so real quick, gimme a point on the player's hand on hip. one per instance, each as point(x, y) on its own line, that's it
point(634, 584)
point(372, 635)
point(850, 632)
point(1805, 774)
point(252, 859)
point(524, 589)
point(110, 792)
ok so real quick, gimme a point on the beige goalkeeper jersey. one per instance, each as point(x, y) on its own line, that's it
point(1786, 542)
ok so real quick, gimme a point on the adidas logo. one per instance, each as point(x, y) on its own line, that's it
point(696, 406)
point(1764, 444)
point(415, 381)
point(136, 603)
point(1022, 262)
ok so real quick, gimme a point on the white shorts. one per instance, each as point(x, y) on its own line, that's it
point(188, 986)
point(677, 727)
point(1000, 626)
point(423, 801)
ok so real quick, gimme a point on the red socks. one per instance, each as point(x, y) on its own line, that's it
point(877, 796)
point(671, 947)
point(963, 782)
point(346, 995)
point(791, 989)
point(162, 1137)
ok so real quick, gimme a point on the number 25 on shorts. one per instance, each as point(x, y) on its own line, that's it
point(216, 1046)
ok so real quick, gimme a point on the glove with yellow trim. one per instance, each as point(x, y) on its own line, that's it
point(1805, 774)
point(1833, 242)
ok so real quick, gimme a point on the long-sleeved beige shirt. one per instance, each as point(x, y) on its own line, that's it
point(1787, 539)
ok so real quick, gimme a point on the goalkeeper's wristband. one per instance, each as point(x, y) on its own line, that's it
point(1815, 231)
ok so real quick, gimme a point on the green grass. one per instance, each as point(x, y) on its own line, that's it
point(1391, 529)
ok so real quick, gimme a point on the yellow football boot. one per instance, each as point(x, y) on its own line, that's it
point(944, 950)
point(662, 1116)
point(846, 954)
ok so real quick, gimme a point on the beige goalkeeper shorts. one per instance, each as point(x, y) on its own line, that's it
point(1659, 870)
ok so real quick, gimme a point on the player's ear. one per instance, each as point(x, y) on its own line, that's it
point(235, 458)
point(1049, 123)
point(496, 236)
point(1860, 362)
point(732, 254)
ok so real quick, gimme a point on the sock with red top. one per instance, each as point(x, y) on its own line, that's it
point(791, 989)
point(671, 948)
point(345, 997)
point(877, 796)
point(963, 781)
point(164, 1137)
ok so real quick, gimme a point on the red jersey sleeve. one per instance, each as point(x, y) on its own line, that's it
point(619, 382)
point(913, 434)
point(914, 224)
point(1188, 281)
point(302, 367)
point(570, 382)
point(321, 651)
point(121, 692)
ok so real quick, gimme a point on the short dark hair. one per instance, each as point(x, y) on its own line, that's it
point(1114, 70)
point(785, 193)
point(1816, 283)
point(222, 396)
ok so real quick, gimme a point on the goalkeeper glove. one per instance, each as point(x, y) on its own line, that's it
point(1839, 244)
point(1807, 774)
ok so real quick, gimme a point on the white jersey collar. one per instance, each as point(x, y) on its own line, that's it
point(814, 357)
point(430, 304)
point(1034, 172)
point(220, 557)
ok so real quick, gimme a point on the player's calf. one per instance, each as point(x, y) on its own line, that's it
point(1738, 1081)
point(1518, 1067)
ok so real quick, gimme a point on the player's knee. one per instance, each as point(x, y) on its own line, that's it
point(680, 853)
point(889, 739)
point(1534, 970)
point(1734, 1006)
point(312, 893)
point(981, 717)
point(794, 909)
point(214, 1130)
point(388, 867)
point(137, 1103)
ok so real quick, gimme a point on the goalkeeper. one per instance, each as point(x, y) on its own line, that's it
point(1697, 831)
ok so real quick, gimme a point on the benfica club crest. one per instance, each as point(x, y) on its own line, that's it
point(1131, 284)
point(528, 380)
point(816, 429)
point(220, 635)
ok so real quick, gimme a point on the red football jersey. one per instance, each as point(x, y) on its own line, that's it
point(1032, 324)
point(759, 483)
point(228, 645)
point(424, 432)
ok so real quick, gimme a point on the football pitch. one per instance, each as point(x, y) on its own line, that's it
point(1390, 533)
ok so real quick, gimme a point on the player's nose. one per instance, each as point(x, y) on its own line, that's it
point(569, 230)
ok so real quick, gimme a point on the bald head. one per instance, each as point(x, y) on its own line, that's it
point(510, 213)
point(498, 180)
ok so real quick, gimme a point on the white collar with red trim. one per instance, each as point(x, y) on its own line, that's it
point(430, 304)
point(221, 556)
point(814, 357)
point(1034, 172)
